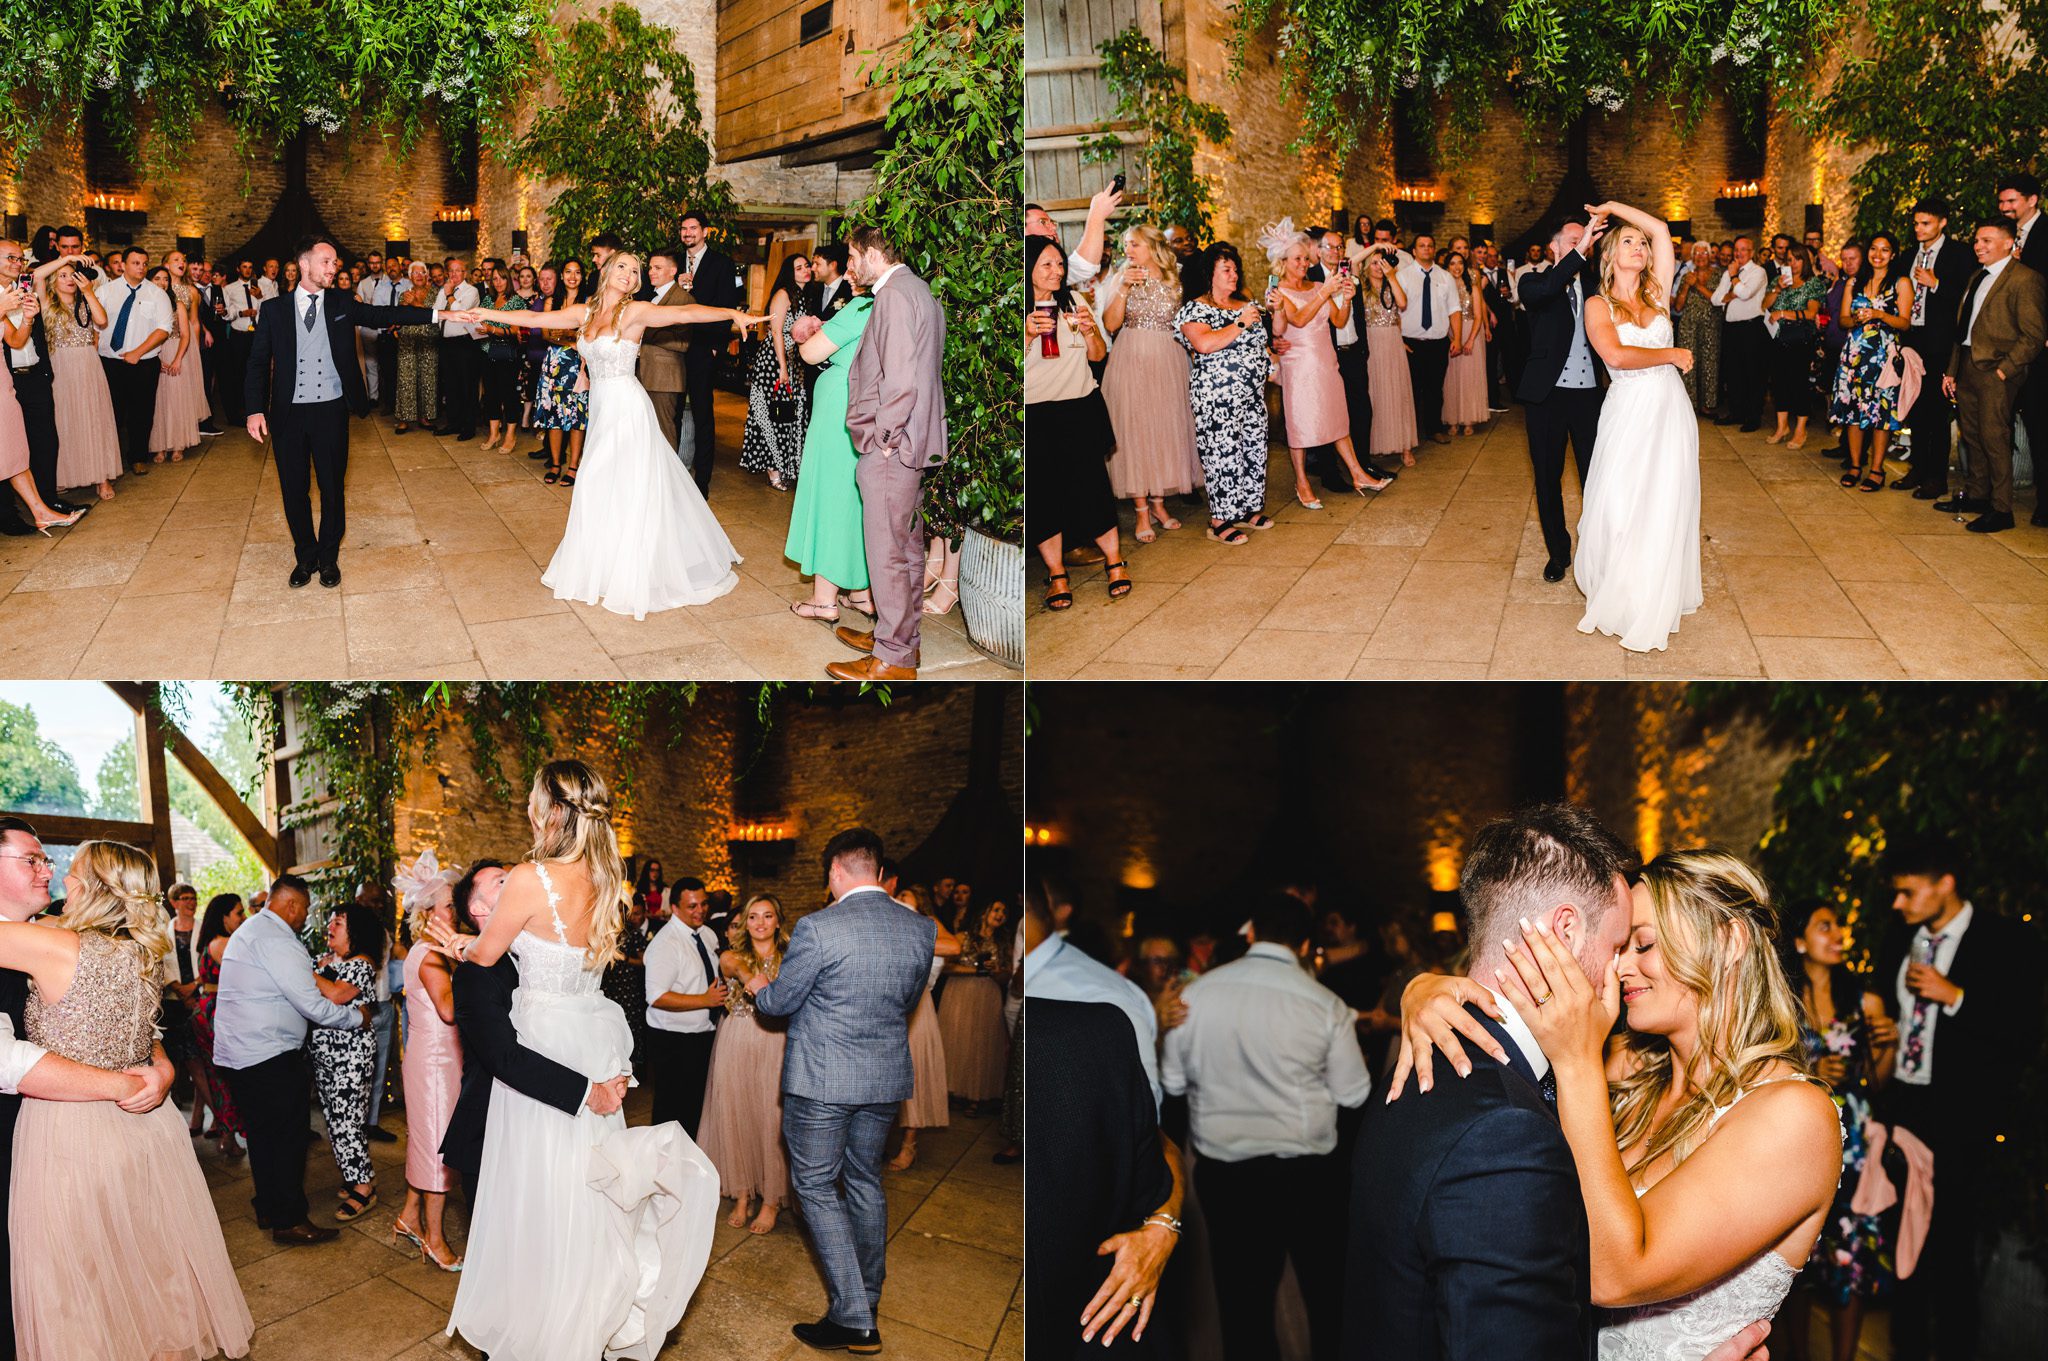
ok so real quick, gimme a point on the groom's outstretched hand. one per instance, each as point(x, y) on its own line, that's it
point(1747, 1345)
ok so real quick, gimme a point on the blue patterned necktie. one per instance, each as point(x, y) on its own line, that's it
point(312, 306)
point(121, 321)
point(1548, 1086)
point(1427, 320)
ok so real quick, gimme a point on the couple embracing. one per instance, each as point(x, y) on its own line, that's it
point(1675, 1176)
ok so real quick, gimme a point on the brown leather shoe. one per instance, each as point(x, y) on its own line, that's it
point(303, 1233)
point(870, 669)
point(856, 639)
point(1085, 556)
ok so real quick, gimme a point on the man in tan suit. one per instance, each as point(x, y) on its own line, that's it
point(896, 415)
point(661, 352)
point(2000, 329)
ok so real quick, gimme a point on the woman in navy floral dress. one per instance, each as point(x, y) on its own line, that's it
point(1875, 313)
point(561, 403)
point(1228, 346)
point(1851, 1044)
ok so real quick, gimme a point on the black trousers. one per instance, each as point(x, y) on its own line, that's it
point(274, 1098)
point(387, 372)
point(134, 391)
point(1936, 1308)
point(2033, 413)
point(1566, 414)
point(311, 442)
point(461, 375)
point(206, 368)
point(32, 388)
point(1929, 420)
point(700, 367)
point(230, 392)
point(1427, 360)
point(679, 1065)
point(1742, 359)
point(1251, 1238)
point(1323, 461)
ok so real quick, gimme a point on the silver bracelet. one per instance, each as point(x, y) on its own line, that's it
point(1164, 1221)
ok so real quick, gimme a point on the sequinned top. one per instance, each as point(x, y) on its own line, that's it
point(1151, 305)
point(1378, 311)
point(181, 296)
point(108, 1018)
point(64, 332)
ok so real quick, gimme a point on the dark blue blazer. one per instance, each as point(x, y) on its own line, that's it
point(1468, 1233)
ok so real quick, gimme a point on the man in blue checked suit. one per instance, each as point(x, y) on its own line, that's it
point(848, 981)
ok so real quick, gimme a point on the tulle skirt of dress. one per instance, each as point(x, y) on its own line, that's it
point(88, 441)
point(118, 1254)
point(1393, 393)
point(926, 1108)
point(1146, 389)
point(640, 537)
point(1638, 561)
point(180, 405)
point(588, 1238)
point(971, 1030)
point(1465, 386)
point(742, 1128)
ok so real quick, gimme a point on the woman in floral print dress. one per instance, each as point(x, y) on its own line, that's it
point(1232, 360)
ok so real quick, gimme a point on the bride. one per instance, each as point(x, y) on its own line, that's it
point(1639, 528)
point(640, 536)
point(1707, 1153)
point(587, 1238)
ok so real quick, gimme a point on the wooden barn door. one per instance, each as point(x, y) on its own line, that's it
point(1066, 100)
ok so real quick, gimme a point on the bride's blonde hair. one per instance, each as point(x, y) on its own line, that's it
point(1717, 934)
point(572, 810)
point(117, 897)
point(610, 324)
point(1647, 300)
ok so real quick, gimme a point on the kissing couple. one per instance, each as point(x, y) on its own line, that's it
point(1675, 1175)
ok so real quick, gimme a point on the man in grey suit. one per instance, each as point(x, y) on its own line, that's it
point(896, 414)
point(661, 351)
point(849, 978)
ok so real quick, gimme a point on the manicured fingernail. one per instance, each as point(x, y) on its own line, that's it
point(1508, 945)
point(1464, 1069)
point(1542, 927)
point(1524, 922)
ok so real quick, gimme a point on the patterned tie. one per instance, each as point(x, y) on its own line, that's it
point(1914, 1057)
point(710, 970)
point(1548, 1086)
point(121, 321)
point(1926, 261)
point(1427, 320)
point(312, 306)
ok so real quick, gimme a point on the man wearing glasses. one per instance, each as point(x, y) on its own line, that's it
point(25, 1068)
point(34, 386)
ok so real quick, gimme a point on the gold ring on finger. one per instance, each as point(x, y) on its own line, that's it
point(1545, 998)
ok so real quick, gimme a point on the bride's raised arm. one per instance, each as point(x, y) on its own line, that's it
point(1662, 263)
point(561, 319)
point(1771, 1165)
point(653, 317)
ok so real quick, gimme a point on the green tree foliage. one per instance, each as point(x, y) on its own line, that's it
point(1153, 91)
point(625, 135)
point(36, 775)
point(949, 192)
point(117, 796)
point(277, 66)
point(1947, 97)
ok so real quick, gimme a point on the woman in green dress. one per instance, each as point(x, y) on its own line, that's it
point(825, 538)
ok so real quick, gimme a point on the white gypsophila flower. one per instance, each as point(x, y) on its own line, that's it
point(521, 25)
point(1720, 52)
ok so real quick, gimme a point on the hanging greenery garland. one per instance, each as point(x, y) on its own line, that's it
point(276, 66)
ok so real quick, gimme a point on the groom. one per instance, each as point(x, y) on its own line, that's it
point(1561, 379)
point(849, 978)
point(311, 335)
point(1468, 1232)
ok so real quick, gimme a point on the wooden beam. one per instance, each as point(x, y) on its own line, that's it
point(1049, 66)
point(261, 840)
point(1096, 129)
point(62, 830)
point(153, 791)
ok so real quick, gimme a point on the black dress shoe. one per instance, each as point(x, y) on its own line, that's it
point(378, 1134)
point(1990, 522)
point(2040, 515)
point(13, 528)
point(300, 576)
point(828, 1336)
point(1925, 492)
point(1724, 420)
point(330, 576)
point(208, 428)
point(465, 435)
point(1554, 570)
point(1752, 427)
point(1968, 505)
point(1379, 470)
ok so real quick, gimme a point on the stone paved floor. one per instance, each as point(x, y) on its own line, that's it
point(1441, 577)
point(182, 576)
point(955, 1267)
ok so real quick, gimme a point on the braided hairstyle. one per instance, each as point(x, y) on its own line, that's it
point(571, 810)
point(117, 897)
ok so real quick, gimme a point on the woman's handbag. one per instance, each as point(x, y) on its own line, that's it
point(782, 403)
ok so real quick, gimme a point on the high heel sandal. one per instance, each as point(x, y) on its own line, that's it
point(399, 1229)
point(428, 1254)
point(845, 600)
point(44, 527)
point(552, 475)
point(807, 609)
point(1872, 481)
point(1057, 600)
point(946, 586)
point(1118, 589)
point(1853, 476)
point(1366, 488)
point(568, 477)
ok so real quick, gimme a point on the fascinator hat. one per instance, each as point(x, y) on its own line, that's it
point(1277, 238)
point(421, 884)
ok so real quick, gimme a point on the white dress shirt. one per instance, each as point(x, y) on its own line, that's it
point(1944, 960)
point(2022, 230)
point(1266, 1057)
point(1743, 292)
point(17, 1056)
point(887, 275)
point(673, 965)
point(267, 995)
point(24, 355)
point(241, 295)
point(1443, 303)
point(660, 292)
point(1924, 257)
point(377, 291)
point(1059, 972)
point(460, 299)
point(1524, 1038)
point(1991, 273)
point(152, 312)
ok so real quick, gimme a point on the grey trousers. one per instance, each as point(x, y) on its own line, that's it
point(835, 1168)
point(893, 526)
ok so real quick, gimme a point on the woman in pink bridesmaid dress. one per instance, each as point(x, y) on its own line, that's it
point(433, 1054)
point(13, 432)
point(1311, 389)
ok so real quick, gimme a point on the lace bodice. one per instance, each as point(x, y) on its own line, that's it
point(1150, 305)
point(108, 1016)
point(554, 966)
point(609, 357)
point(1655, 336)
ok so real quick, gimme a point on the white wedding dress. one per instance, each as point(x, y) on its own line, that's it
point(588, 1238)
point(640, 536)
point(1638, 561)
point(1689, 1327)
